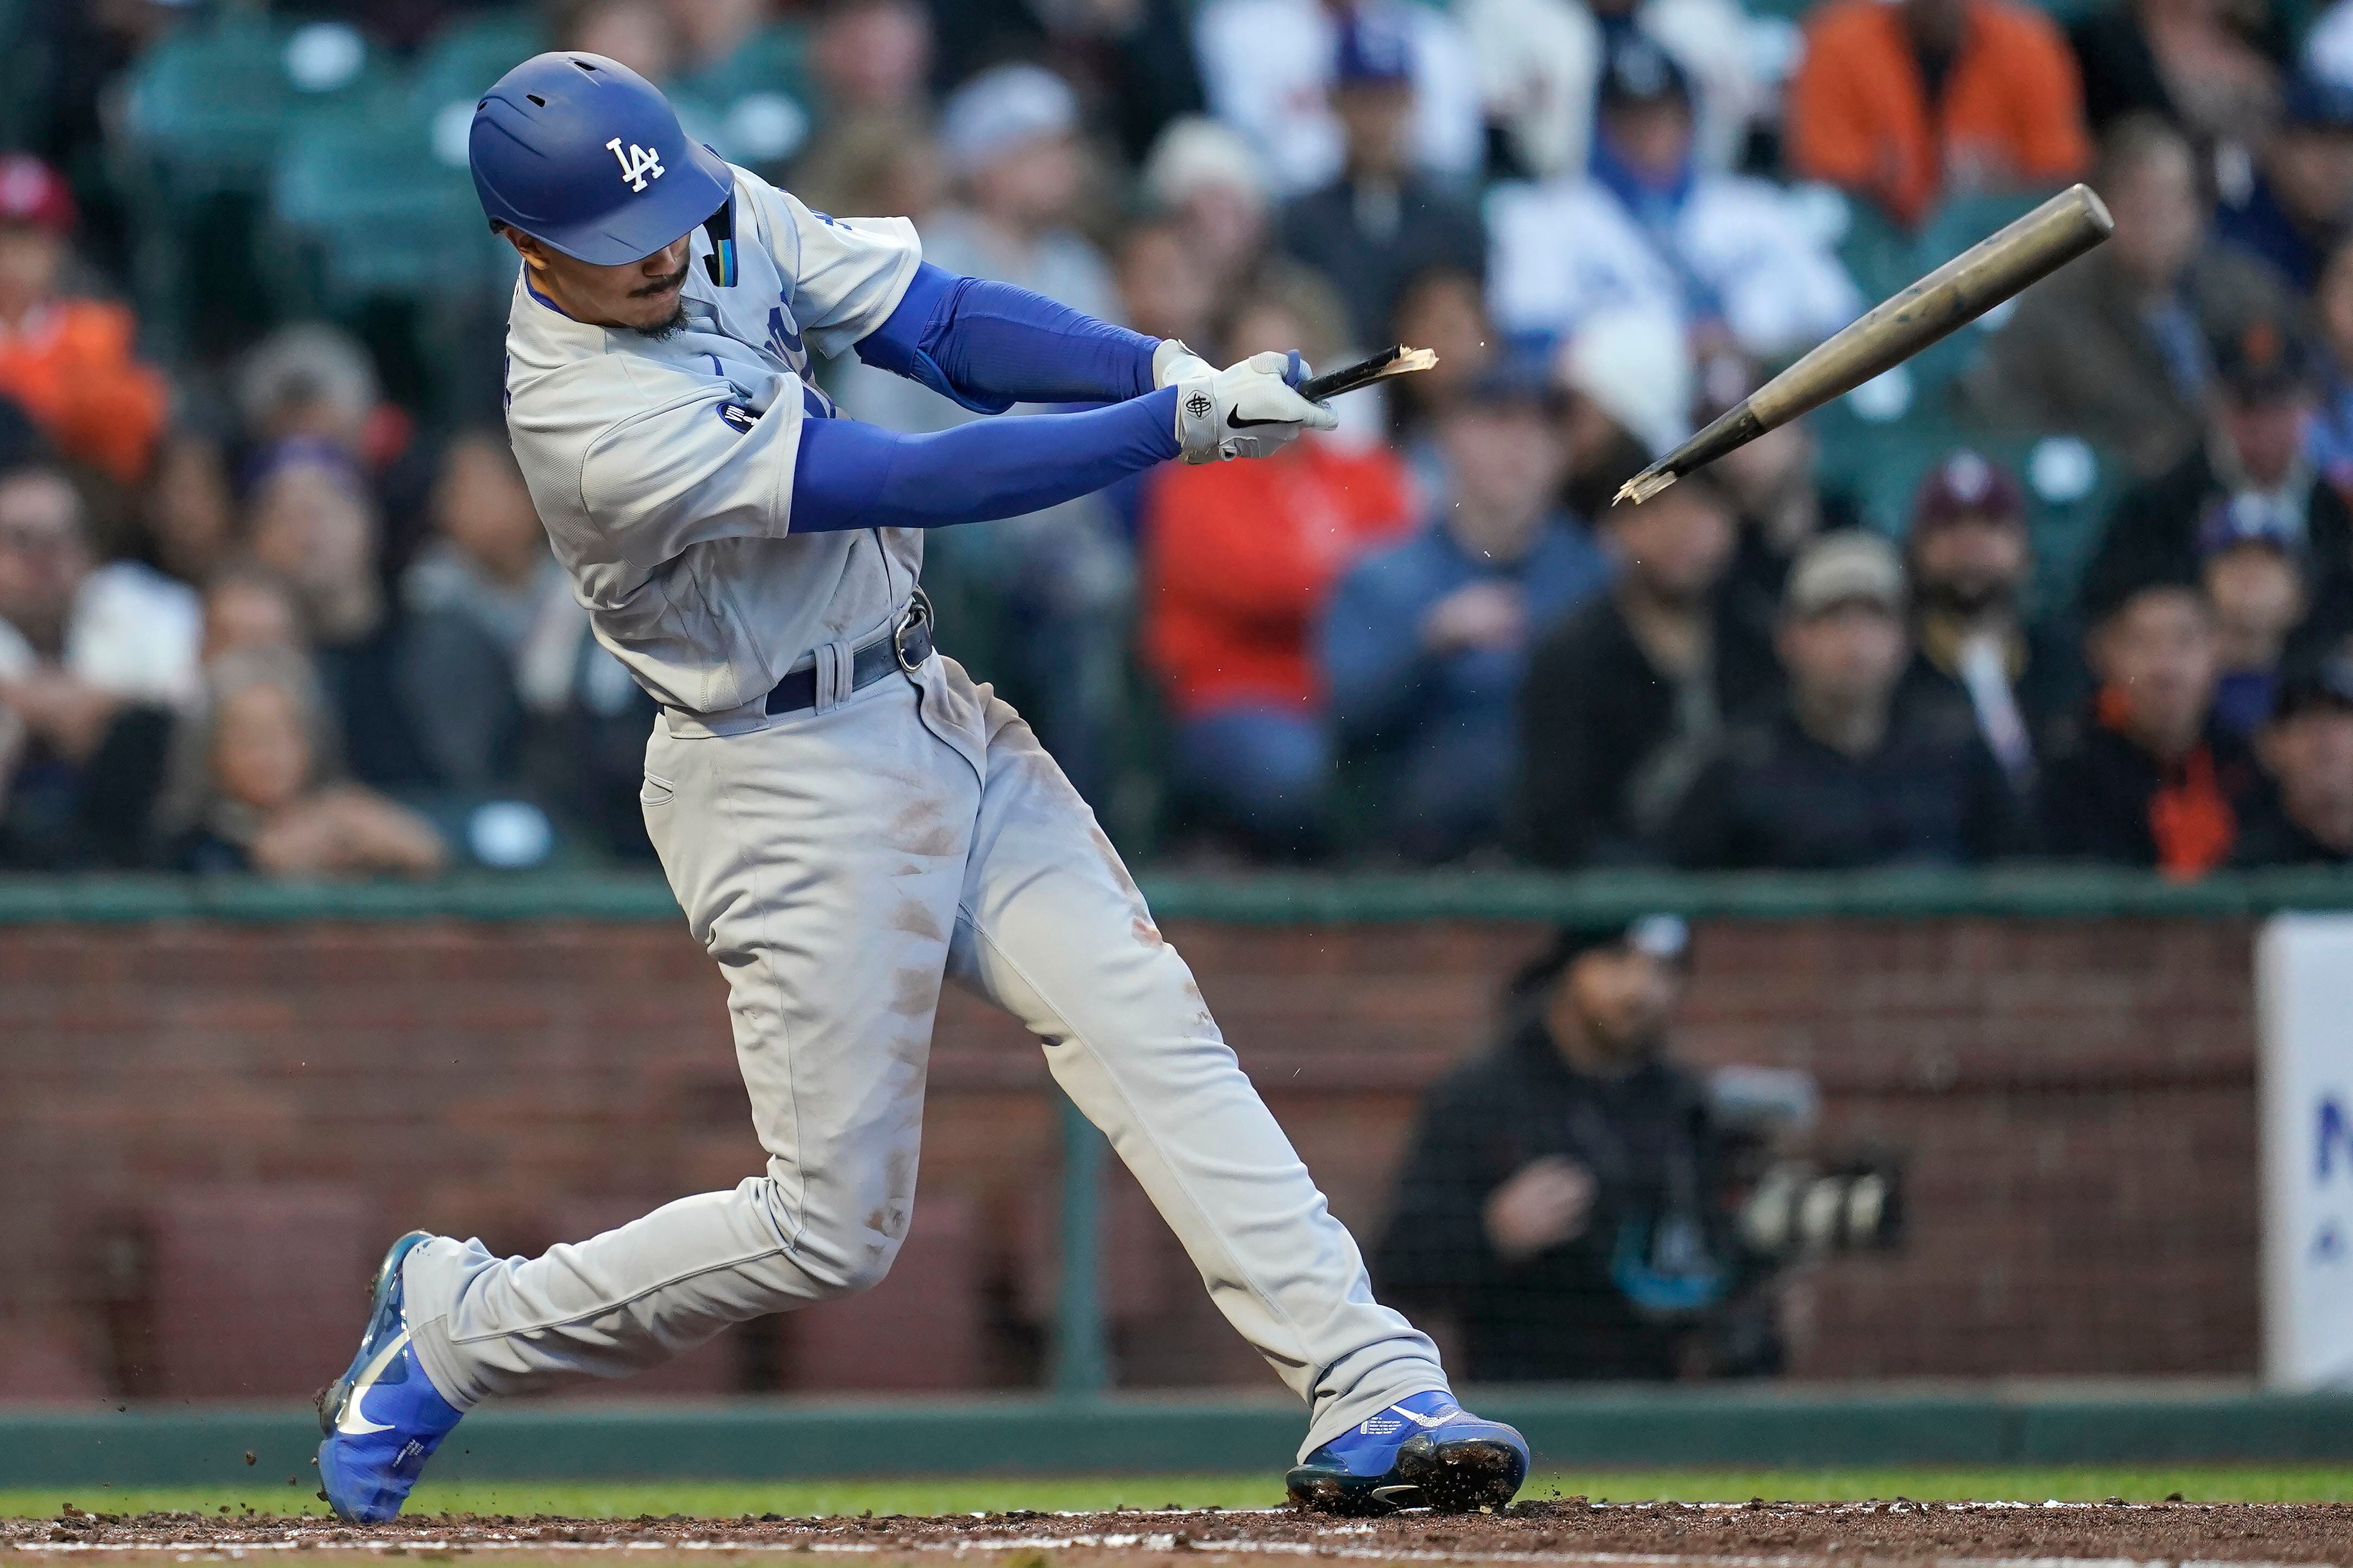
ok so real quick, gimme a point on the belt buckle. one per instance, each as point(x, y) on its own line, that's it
point(918, 614)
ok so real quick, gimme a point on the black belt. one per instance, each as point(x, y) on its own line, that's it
point(903, 649)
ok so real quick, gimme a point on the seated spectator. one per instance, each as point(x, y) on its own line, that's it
point(92, 660)
point(1212, 183)
point(2113, 347)
point(1382, 221)
point(1162, 292)
point(2201, 66)
point(2145, 777)
point(1445, 311)
point(2252, 570)
point(1240, 559)
point(120, 628)
point(872, 59)
point(1267, 67)
point(1137, 53)
point(1904, 104)
point(245, 609)
point(1011, 140)
point(1842, 777)
point(2307, 750)
point(255, 793)
point(1976, 653)
point(486, 602)
point(1628, 701)
point(310, 521)
point(1426, 642)
point(1565, 1187)
point(873, 165)
point(1648, 226)
point(70, 363)
point(316, 384)
point(188, 515)
point(2262, 401)
point(2294, 211)
point(1540, 61)
point(1774, 484)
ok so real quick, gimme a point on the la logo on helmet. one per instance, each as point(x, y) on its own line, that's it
point(638, 164)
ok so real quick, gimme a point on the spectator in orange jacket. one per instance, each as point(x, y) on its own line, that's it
point(1904, 103)
point(1241, 558)
point(68, 362)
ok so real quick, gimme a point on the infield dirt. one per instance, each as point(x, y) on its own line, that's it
point(1572, 1531)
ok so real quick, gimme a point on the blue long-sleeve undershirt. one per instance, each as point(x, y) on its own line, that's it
point(989, 345)
point(852, 475)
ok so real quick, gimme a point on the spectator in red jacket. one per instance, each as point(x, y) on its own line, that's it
point(67, 362)
point(1239, 559)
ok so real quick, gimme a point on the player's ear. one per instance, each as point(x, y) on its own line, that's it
point(525, 246)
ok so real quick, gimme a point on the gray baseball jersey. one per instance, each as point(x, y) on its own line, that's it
point(663, 468)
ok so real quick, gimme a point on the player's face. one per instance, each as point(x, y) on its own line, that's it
point(642, 296)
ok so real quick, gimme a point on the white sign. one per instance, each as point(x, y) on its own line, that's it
point(2303, 998)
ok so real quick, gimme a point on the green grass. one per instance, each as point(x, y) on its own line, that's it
point(732, 1500)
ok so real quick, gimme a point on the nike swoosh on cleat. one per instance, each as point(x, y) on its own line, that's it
point(354, 1421)
point(1420, 1420)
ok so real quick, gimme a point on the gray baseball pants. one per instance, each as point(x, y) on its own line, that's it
point(839, 863)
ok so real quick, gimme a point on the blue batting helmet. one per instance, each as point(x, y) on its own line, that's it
point(585, 154)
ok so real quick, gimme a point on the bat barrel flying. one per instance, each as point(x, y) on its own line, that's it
point(1995, 269)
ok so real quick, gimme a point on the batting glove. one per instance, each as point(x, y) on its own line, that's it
point(1249, 410)
point(1172, 362)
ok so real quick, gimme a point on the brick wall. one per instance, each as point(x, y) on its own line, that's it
point(208, 1131)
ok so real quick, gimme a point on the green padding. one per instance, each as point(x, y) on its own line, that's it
point(807, 1439)
point(2079, 893)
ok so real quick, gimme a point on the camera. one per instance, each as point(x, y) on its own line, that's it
point(1787, 1209)
point(1797, 1211)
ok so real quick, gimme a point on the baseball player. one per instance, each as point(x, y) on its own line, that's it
point(846, 817)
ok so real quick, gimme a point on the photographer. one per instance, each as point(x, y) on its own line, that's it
point(1585, 1207)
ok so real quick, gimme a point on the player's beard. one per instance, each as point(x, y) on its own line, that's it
point(674, 323)
point(669, 327)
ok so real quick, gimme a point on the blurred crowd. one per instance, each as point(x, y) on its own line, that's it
point(2077, 584)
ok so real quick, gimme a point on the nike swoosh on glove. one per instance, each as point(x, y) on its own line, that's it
point(1248, 410)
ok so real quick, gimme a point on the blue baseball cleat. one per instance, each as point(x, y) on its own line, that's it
point(383, 1417)
point(1424, 1451)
